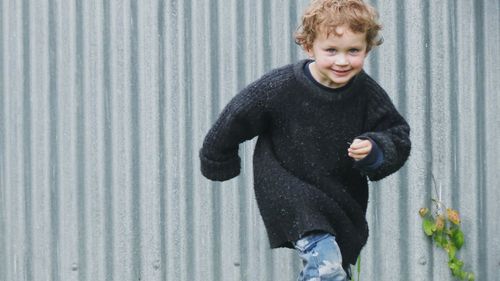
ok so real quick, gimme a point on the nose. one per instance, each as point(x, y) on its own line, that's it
point(341, 60)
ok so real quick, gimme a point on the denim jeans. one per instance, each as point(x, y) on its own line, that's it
point(321, 257)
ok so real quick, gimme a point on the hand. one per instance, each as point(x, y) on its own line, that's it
point(359, 149)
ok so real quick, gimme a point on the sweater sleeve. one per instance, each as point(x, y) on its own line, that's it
point(390, 131)
point(243, 118)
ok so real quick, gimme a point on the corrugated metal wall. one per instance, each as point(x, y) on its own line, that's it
point(104, 105)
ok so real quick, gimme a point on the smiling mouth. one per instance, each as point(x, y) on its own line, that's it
point(341, 72)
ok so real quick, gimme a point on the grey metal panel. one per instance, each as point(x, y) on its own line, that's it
point(104, 105)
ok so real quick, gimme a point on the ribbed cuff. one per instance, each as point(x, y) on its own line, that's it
point(373, 160)
point(220, 170)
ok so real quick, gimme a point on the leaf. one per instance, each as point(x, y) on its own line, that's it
point(457, 238)
point(359, 266)
point(441, 240)
point(452, 251)
point(454, 269)
point(428, 226)
point(456, 266)
point(471, 277)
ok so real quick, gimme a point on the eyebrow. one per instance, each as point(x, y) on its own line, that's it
point(349, 47)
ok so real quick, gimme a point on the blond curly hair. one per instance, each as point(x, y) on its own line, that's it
point(327, 15)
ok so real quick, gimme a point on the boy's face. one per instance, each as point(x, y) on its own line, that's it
point(337, 58)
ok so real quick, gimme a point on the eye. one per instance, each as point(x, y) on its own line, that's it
point(331, 50)
point(354, 51)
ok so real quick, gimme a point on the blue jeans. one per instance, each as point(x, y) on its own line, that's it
point(321, 257)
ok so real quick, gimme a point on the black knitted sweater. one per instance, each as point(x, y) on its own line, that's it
point(303, 178)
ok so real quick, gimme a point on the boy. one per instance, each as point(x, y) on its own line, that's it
point(323, 127)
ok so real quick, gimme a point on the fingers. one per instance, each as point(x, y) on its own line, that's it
point(359, 149)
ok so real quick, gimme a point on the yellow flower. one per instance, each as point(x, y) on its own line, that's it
point(453, 216)
point(440, 223)
point(423, 211)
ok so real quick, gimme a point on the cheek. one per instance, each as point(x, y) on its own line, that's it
point(324, 62)
point(357, 62)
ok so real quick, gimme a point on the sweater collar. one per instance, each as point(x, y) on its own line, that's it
point(339, 94)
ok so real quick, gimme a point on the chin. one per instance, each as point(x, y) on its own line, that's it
point(340, 82)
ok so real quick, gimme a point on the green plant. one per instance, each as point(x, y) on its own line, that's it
point(358, 269)
point(445, 230)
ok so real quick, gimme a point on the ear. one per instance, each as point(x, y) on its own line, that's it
point(309, 52)
point(367, 51)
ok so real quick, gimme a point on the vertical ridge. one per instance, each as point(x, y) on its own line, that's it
point(454, 95)
point(108, 141)
point(163, 173)
point(187, 75)
point(428, 128)
point(53, 140)
point(27, 171)
point(175, 262)
point(135, 131)
point(80, 142)
point(293, 23)
point(266, 35)
point(3, 161)
point(374, 56)
point(482, 273)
